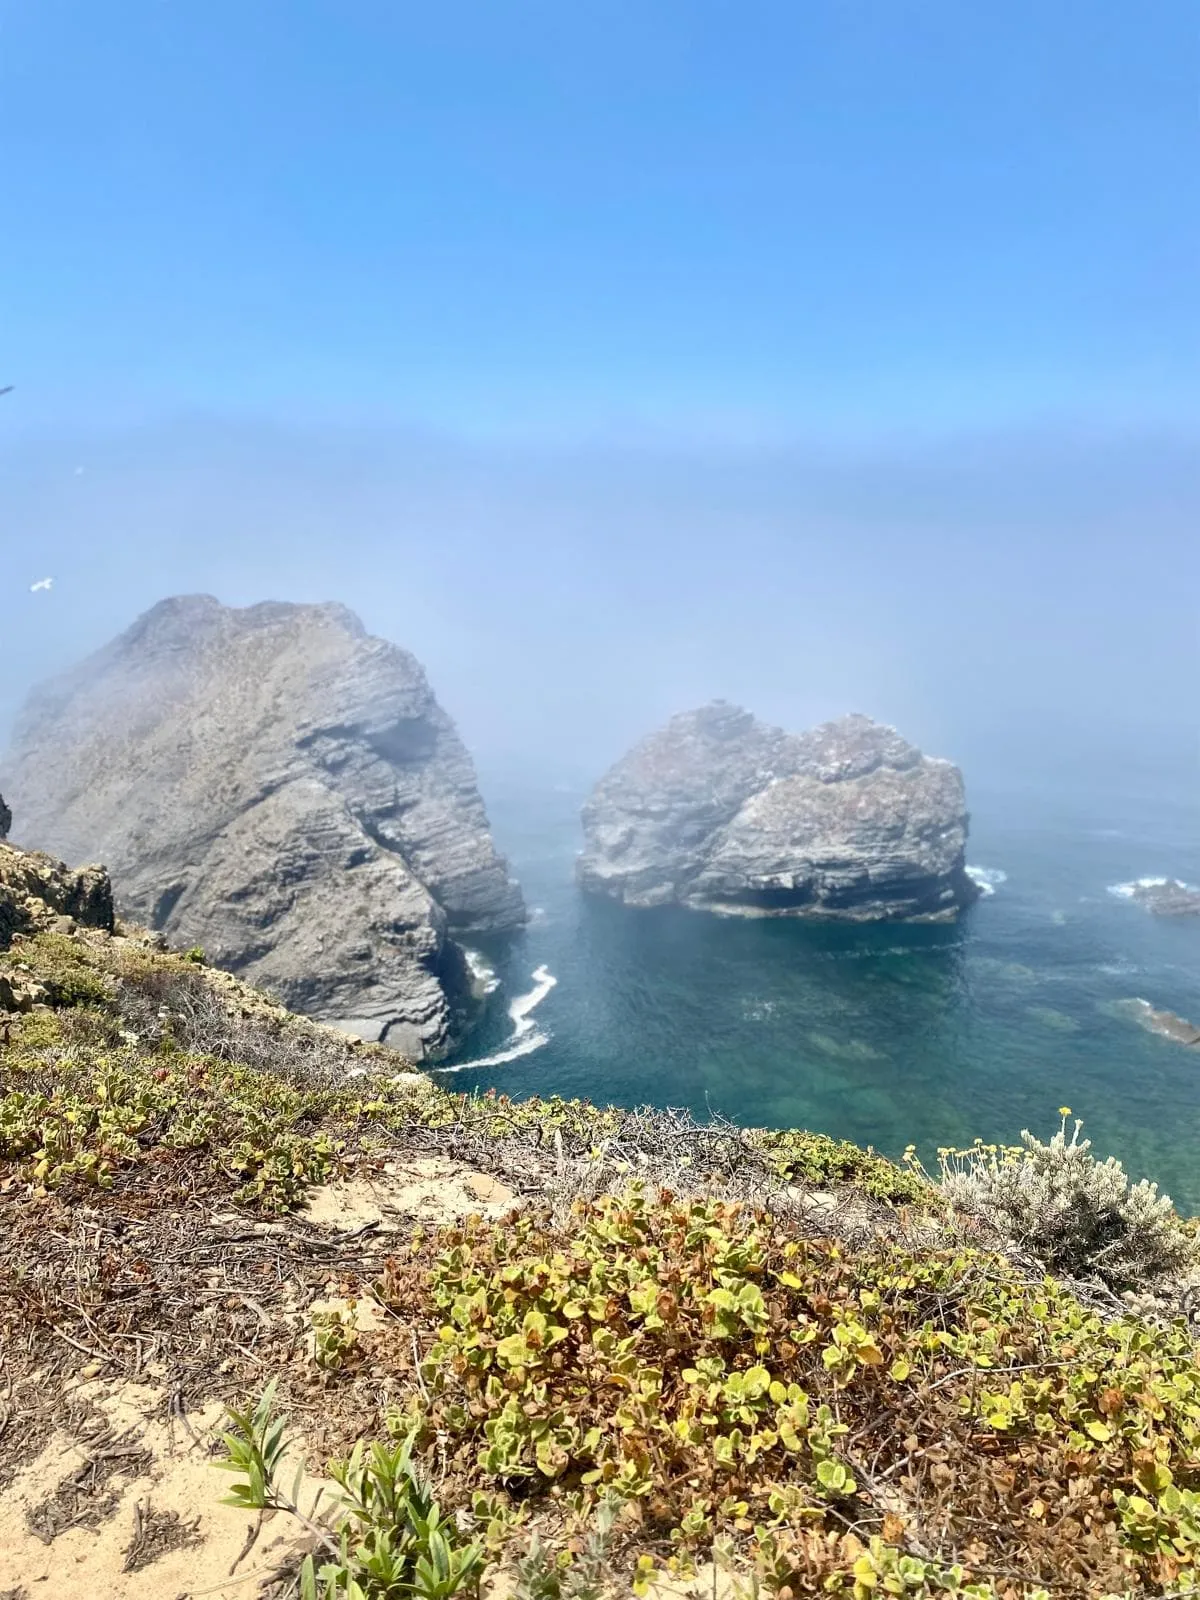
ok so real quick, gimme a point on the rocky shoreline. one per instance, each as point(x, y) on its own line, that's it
point(234, 1210)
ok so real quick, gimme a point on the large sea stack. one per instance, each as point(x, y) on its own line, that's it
point(281, 788)
point(721, 812)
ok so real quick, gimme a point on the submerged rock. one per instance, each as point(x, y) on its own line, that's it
point(1049, 1017)
point(1166, 897)
point(1165, 1023)
point(280, 787)
point(721, 812)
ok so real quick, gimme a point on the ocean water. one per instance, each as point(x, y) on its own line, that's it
point(885, 1035)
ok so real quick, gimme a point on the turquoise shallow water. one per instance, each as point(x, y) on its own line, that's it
point(883, 1035)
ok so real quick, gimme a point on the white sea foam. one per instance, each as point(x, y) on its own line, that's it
point(532, 1041)
point(483, 974)
point(756, 1010)
point(986, 878)
point(1126, 891)
point(526, 1036)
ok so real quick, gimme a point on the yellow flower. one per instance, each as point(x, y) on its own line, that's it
point(1064, 1111)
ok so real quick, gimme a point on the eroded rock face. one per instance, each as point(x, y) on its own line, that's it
point(278, 786)
point(721, 812)
point(5, 819)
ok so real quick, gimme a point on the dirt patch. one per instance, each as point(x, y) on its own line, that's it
point(432, 1189)
point(125, 1330)
point(709, 1583)
point(89, 1493)
point(146, 1523)
point(158, 1533)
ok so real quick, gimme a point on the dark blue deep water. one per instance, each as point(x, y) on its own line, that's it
point(883, 1035)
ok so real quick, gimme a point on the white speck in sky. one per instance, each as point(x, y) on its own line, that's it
point(42, 583)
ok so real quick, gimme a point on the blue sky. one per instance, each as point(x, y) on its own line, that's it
point(503, 213)
point(567, 340)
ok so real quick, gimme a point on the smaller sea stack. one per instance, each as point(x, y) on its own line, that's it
point(721, 812)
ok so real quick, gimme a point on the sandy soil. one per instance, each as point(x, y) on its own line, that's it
point(126, 1506)
point(430, 1189)
point(123, 1500)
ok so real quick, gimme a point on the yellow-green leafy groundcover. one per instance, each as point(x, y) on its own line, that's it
point(729, 1379)
point(611, 1390)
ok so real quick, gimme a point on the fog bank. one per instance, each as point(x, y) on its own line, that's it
point(1003, 592)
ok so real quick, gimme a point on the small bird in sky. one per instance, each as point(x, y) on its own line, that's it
point(42, 583)
point(8, 388)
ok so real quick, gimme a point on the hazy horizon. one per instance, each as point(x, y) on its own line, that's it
point(573, 598)
point(837, 359)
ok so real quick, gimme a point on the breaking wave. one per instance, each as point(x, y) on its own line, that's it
point(1126, 891)
point(483, 974)
point(526, 1036)
point(986, 878)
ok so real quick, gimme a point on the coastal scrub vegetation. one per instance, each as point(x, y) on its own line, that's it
point(670, 1358)
point(690, 1376)
point(131, 1058)
point(1078, 1215)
